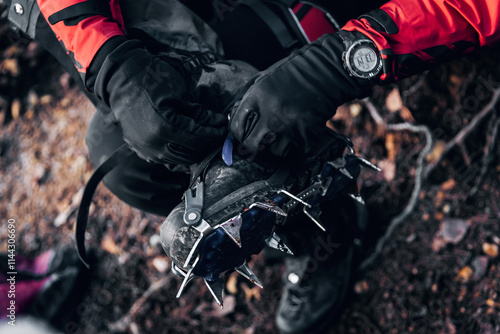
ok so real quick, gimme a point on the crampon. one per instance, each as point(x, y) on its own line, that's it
point(231, 212)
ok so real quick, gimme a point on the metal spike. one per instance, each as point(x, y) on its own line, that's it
point(275, 242)
point(216, 288)
point(187, 277)
point(245, 271)
point(357, 198)
point(368, 164)
point(193, 249)
point(232, 228)
point(273, 208)
point(339, 164)
point(312, 215)
point(297, 199)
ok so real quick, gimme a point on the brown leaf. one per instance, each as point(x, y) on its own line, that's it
point(388, 169)
point(436, 152)
point(490, 249)
point(109, 245)
point(406, 115)
point(465, 274)
point(448, 185)
point(15, 109)
point(231, 283)
point(390, 146)
point(393, 102)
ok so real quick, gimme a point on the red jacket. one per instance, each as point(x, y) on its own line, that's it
point(411, 34)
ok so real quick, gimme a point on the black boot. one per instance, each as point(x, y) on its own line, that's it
point(316, 284)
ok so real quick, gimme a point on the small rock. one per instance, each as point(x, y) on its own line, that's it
point(32, 98)
point(229, 306)
point(160, 264)
point(480, 265)
point(155, 241)
point(490, 249)
point(450, 231)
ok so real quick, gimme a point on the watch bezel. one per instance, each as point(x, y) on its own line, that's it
point(348, 59)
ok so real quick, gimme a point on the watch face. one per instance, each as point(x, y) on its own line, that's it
point(363, 60)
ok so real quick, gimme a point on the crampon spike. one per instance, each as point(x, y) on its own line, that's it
point(245, 271)
point(269, 207)
point(187, 277)
point(216, 288)
point(357, 198)
point(232, 228)
point(275, 242)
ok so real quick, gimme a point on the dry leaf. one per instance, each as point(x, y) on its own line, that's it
point(231, 283)
point(393, 101)
point(406, 115)
point(490, 249)
point(436, 152)
point(448, 185)
point(360, 287)
point(465, 274)
point(388, 169)
point(354, 109)
point(10, 65)
point(109, 245)
point(251, 292)
point(15, 109)
point(390, 146)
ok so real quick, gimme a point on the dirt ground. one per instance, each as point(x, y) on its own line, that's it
point(437, 272)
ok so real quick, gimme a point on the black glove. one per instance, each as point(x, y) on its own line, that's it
point(286, 109)
point(152, 98)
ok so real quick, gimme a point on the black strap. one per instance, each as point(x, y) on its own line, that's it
point(200, 169)
point(274, 22)
point(81, 10)
point(119, 156)
point(23, 15)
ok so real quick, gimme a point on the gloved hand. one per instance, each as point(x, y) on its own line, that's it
point(158, 101)
point(286, 108)
point(152, 96)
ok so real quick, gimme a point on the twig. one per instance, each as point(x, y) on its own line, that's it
point(419, 179)
point(488, 160)
point(373, 111)
point(462, 135)
point(415, 87)
point(126, 321)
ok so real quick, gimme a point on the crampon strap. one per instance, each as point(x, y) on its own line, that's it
point(119, 156)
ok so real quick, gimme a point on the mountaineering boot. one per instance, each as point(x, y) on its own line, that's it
point(316, 284)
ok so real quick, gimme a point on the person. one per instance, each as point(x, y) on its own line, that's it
point(140, 64)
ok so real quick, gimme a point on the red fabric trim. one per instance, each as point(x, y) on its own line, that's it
point(86, 38)
point(314, 23)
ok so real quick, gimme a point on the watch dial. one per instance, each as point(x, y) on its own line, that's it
point(364, 59)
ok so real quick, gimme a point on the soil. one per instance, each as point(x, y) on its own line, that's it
point(439, 272)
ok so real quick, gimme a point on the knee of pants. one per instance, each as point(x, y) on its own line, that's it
point(146, 186)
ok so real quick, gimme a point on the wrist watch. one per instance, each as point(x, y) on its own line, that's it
point(361, 57)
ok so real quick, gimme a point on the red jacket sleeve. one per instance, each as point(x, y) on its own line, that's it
point(413, 34)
